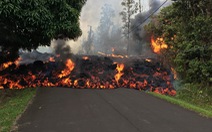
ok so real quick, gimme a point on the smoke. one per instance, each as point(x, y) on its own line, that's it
point(139, 35)
point(91, 15)
point(27, 57)
point(62, 48)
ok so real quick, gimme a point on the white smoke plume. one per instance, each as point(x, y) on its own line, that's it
point(90, 16)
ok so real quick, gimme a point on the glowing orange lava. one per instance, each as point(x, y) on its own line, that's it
point(68, 69)
point(51, 59)
point(91, 72)
point(85, 57)
point(119, 68)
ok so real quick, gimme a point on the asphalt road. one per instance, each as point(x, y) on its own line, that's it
point(119, 110)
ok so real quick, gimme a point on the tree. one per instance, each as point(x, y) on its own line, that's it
point(140, 6)
point(88, 44)
point(130, 7)
point(186, 28)
point(105, 27)
point(29, 24)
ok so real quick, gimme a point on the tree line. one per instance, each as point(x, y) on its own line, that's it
point(186, 28)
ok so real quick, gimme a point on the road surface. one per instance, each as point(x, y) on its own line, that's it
point(119, 110)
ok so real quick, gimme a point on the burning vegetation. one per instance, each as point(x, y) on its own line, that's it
point(92, 72)
point(158, 44)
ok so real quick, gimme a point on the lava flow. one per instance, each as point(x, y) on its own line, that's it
point(90, 72)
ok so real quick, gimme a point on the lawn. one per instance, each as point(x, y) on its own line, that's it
point(12, 104)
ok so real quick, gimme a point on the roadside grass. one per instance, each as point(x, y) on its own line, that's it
point(12, 104)
point(192, 97)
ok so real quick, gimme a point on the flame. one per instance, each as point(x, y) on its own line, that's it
point(113, 55)
point(98, 73)
point(7, 64)
point(119, 68)
point(112, 49)
point(174, 73)
point(51, 59)
point(148, 60)
point(85, 58)
point(158, 45)
point(68, 70)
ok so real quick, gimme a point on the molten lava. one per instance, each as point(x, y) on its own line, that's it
point(119, 68)
point(68, 69)
point(158, 44)
point(90, 72)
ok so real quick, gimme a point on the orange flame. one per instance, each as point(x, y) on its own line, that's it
point(112, 49)
point(119, 68)
point(148, 60)
point(121, 76)
point(158, 45)
point(69, 67)
point(7, 64)
point(113, 55)
point(85, 57)
point(174, 72)
point(51, 59)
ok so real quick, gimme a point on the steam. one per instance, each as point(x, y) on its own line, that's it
point(90, 17)
point(30, 57)
point(139, 36)
point(59, 49)
point(62, 48)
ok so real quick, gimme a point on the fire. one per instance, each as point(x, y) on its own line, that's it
point(112, 49)
point(91, 72)
point(174, 73)
point(85, 57)
point(113, 55)
point(51, 59)
point(68, 69)
point(119, 68)
point(7, 64)
point(158, 45)
point(148, 60)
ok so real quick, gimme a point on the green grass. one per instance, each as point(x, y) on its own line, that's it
point(12, 104)
point(192, 97)
point(185, 104)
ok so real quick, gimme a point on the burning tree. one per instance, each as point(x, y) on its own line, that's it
point(28, 25)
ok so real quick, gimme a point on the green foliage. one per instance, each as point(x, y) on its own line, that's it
point(186, 28)
point(12, 104)
point(130, 7)
point(196, 94)
point(29, 24)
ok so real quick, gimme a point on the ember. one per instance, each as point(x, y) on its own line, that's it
point(90, 72)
